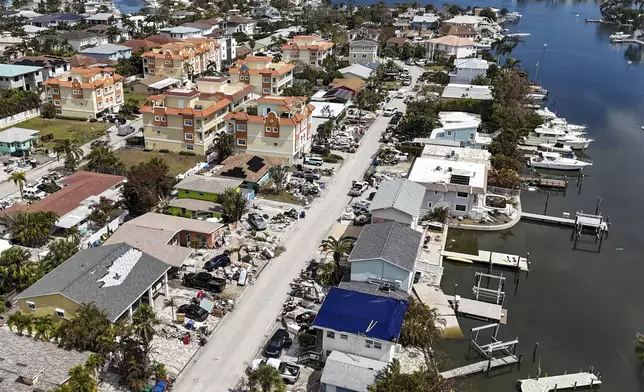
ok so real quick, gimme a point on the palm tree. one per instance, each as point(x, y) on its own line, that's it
point(511, 63)
point(70, 149)
point(43, 327)
point(171, 303)
point(19, 179)
point(234, 204)
point(516, 130)
point(266, 379)
point(93, 363)
point(80, 379)
point(112, 33)
point(13, 320)
point(277, 57)
point(103, 160)
point(73, 234)
point(327, 274)
point(225, 146)
point(30, 229)
point(278, 175)
point(338, 248)
point(14, 259)
point(59, 251)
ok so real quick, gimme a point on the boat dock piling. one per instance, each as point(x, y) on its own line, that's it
point(555, 383)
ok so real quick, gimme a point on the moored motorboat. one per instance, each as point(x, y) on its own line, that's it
point(576, 142)
point(554, 161)
point(556, 147)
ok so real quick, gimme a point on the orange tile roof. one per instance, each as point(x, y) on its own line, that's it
point(285, 67)
point(317, 44)
point(199, 45)
point(222, 103)
point(278, 99)
point(353, 84)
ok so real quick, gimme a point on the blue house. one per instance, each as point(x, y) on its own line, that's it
point(108, 52)
point(360, 324)
point(461, 128)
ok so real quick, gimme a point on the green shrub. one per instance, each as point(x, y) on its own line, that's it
point(93, 120)
point(413, 151)
point(164, 150)
point(72, 118)
point(332, 158)
point(189, 153)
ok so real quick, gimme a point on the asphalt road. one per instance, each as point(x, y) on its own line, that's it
point(9, 188)
point(221, 363)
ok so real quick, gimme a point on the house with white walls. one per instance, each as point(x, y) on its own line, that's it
point(467, 70)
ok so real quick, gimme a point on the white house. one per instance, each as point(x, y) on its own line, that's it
point(466, 20)
point(466, 70)
point(356, 71)
point(458, 185)
point(349, 373)
point(460, 127)
point(450, 46)
point(239, 24)
point(80, 40)
point(459, 90)
point(398, 201)
point(21, 77)
point(181, 32)
point(386, 253)
point(363, 51)
point(360, 324)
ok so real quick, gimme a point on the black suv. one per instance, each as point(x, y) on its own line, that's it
point(193, 312)
point(218, 261)
point(204, 281)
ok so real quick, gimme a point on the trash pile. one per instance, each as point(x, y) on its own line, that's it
point(303, 190)
point(308, 290)
point(390, 156)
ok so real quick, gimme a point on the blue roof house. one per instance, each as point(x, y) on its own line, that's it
point(108, 52)
point(360, 324)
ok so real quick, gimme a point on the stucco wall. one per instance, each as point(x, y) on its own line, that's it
point(362, 270)
point(47, 304)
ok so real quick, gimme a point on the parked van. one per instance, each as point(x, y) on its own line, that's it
point(33, 193)
point(314, 161)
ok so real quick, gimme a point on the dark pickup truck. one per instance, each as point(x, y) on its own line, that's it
point(204, 281)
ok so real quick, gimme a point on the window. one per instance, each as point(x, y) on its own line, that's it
point(268, 129)
point(344, 336)
point(31, 305)
point(163, 119)
point(58, 111)
point(241, 127)
point(190, 147)
point(241, 142)
point(354, 55)
point(186, 191)
point(75, 92)
point(99, 92)
point(56, 102)
point(364, 55)
point(55, 91)
point(449, 133)
point(60, 312)
point(200, 193)
point(429, 205)
point(471, 136)
point(460, 207)
point(377, 345)
point(158, 132)
point(266, 80)
point(157, 118)
point(368, 343)
point(187, 136)
point(274, 144)
point(275, 130)
point(266, 91)
point(330, 334)
point(462, 194)
point(106, 90)
point(187, 123)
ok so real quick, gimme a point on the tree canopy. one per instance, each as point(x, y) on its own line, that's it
point(147, 183)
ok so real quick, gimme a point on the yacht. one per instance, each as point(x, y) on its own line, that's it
point(543, 134)
point(556, 147)
point(576, 142)
point(554, 161)
point(546, 113)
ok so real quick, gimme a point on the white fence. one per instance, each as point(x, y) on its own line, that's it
point(19, 117)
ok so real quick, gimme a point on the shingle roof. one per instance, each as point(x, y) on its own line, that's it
point(451, 40)
point(199, 183)
point(350, 372)
point(403, 195)
point(106, 49)
point(363, 42)
point(357, 313)
point(82, 278)
point(79, 34)
point(15, 134)
point(374, 289)
point(239, 166)
point(393, 242)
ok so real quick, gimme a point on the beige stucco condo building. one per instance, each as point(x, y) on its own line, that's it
point(180, 60)
point(266, 77)
point(308, 49)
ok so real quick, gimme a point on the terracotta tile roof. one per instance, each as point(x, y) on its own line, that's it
point(451, 40)
point(274, 99)
point(274, 69)
point(353, 84)
point(457, 30)
point(78, 60)
point(160, 39)
point(183, 49)
point(237, 166)
point(78, 187)
point(400, 41)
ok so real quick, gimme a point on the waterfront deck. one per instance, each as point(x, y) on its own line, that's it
point(434, 297)
point(565, 381)
point(548, 219)
point(486, 257)
point(479, 310)
point(479, 367)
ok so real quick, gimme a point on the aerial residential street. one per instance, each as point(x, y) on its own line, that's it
point(221, 363)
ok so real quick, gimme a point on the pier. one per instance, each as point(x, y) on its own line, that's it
point(496, 259)
point(479, 367)
point(565, 381)
point(477, 309)
point(548, 219)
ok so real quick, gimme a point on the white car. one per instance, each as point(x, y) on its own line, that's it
point(389, 112)
point(402, 93)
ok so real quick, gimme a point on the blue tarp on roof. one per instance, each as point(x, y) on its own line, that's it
point(350, 311)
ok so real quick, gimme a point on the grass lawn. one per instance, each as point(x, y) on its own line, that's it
point(283, 197)
point(65, 129)
point(178, 163)
point(140, 98)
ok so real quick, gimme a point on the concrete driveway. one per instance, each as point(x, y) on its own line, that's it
point(221, 363)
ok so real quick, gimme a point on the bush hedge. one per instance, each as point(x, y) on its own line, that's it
point(189, 153)
point(72, 118)
point(164, 150)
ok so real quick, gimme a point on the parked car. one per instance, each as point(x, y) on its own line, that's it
point(362, 220)
point(279, 341)
point(289, 372)
point(193, 312)
point(305, 318)
point(125, 130)
point(204, 281)
point(313, 161)
point(34, 193)
point(98, 143)
point(318, 149)
point(257, 221)
point(402, 93)
point(406, 82)
point(218, 261)
point(388, 112)
point(395, 119)
point(358, 188)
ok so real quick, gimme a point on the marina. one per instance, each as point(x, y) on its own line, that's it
point(556, 383)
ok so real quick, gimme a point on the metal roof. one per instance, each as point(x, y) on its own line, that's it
point(350, 372)
point(12, 70)
point(106, 49)
point(15, 134)
point(96, 275)
point(358, 313)
point(392, 242)
point(403, 195)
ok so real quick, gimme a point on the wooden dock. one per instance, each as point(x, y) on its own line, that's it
point(565, 381)
point(479, 367)
point(486, 257)
point(548, 219)
point(478, 309)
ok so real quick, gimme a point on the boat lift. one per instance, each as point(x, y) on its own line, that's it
point(590, 224)
point(497, 296)
point(495, 346)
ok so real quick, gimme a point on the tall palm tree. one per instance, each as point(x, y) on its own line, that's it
point(80, 379)
point(93, 363)
point(70, 149)
point(171, 303)
point(266, 379)
point(13, 320)
point(19, 179)
point(30, 229)
point(511, 63)
point(338, 248)
point(234, 204)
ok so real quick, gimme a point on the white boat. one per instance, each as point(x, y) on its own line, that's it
point(546, 113)
point(517, 35)
point(543, 134)
point(536, 97)
point(620, 35)
point(556, 147)
point(576, 142)
point(554, 161)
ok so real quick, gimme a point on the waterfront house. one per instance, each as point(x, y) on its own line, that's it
point(252, 169)
point(458, 90)
point(273, 125)
point(166, 237)
point(462, 128)
point(102, 18)
point(456, 184)
point(349, 373)
point(116, 278)
point(462, 31)
point(424, 21)
point(80, 40)
point(453, 152)
point(22, 77)
point(466, 20)
point(398, 201)
point(108, 52)
point(449, 46)
point(308, 49)
point(266, 77)
point(385, 254)
point(355, 323)
point(56, 19)
point(17, 139)
point(363, 51)
point(356, 71)
point(466, 70)
point(86, 92)
point(51, 66)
